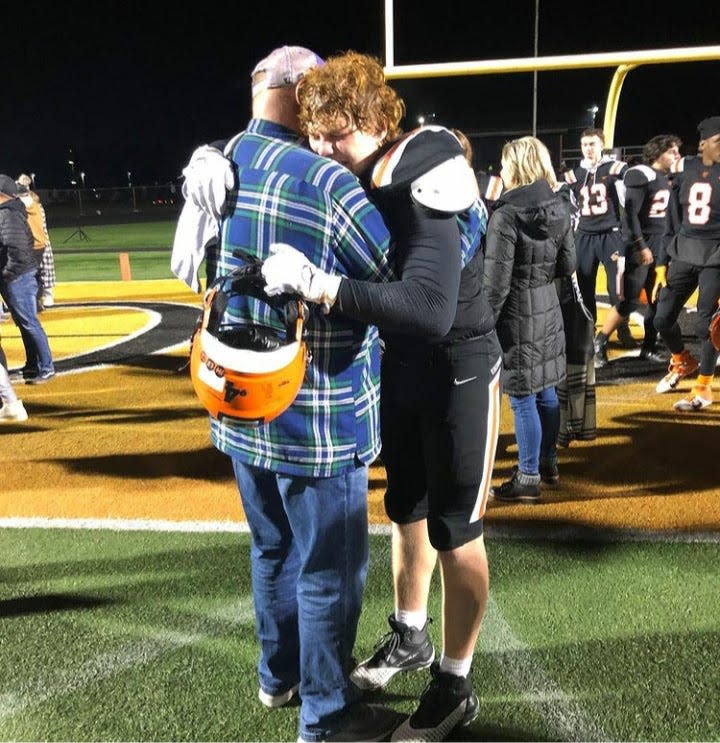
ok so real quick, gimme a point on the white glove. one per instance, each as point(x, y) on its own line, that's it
point(288, 271)
point(208, 178)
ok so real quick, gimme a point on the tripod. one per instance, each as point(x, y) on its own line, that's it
point(79, 231)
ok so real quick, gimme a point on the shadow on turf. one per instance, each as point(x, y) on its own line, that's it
point(50, 602)
point(206, 464)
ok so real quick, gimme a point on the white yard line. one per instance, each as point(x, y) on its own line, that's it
point(129, 655)
point(565, 718)
point(543, 532)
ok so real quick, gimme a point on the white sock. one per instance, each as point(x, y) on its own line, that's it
point(416, 619)
point(455, 666)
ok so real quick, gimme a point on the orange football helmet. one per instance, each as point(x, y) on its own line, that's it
point(245, 371)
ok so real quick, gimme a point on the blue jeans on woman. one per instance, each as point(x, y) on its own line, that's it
point(309, 560)
point(537, 425)
point(20, 295)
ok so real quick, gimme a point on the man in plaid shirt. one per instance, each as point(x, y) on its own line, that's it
point(303, 477)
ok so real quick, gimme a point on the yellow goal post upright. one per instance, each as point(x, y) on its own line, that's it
point(625, 62)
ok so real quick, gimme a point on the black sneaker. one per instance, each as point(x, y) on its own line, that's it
point(513, 491)
point(40, 378)
point(402, 649)
point(625, 337)
point(600, 345)
point(23, 375)
point(365, 722)
point(650, 354)
point(448, 701)
point(549, 473)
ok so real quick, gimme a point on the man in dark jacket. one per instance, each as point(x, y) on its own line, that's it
point(18, 283)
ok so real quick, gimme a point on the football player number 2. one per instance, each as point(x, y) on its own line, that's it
point(658, 207)
point(594, 199)
point(698, 208)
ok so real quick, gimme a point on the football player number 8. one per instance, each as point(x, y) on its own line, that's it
point(598, 194)
point(698, 208)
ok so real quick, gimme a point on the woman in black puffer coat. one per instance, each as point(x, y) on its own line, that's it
point(530, 242)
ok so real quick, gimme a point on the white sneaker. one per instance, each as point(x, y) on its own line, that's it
point(13, 412)
point(699, 398)
point(277, 700)
point(47, 299)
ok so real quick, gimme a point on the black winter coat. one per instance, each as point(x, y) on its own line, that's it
point(16, 242)
point(530, 241)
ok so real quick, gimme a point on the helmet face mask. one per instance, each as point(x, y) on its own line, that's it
point(245, 371)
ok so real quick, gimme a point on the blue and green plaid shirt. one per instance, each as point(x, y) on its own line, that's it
point(288, 194)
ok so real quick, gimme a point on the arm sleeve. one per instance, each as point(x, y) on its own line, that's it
point(428, 263)
point(634, 198)
point(674, 217)
point(499, 259)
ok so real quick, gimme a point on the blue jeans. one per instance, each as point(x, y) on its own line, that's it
point(309, 564)
point(20, 295)
point(537, 425)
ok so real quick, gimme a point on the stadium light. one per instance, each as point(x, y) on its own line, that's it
point(593, 110)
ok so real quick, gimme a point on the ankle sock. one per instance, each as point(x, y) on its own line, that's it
point(458, 667)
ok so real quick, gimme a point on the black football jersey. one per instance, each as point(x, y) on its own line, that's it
point(697, 187)
point(647, 203)
point(596, 195)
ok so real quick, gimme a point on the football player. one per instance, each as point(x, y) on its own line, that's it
point(694, 263)
point(646, 229)
point(598, 189)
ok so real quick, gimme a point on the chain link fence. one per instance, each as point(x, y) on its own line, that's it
point(68, 206)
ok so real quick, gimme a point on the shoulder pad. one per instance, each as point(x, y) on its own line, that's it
point(449, 187)
point(639, 175)
point(617, 167)
point(413, 155)
point(570, 176)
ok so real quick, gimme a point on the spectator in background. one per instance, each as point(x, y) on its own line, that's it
point(41, 241)
point(13, 410)
point(529, 243)
point(18, 283)
point(646, 229)
point(598, 189)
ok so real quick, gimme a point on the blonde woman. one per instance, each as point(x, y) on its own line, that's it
point(530, 243)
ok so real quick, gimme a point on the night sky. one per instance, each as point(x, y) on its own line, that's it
point(131, 86)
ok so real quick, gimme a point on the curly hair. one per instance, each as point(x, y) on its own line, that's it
point(349, 90)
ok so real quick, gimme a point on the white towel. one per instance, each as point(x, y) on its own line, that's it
point(208, 178)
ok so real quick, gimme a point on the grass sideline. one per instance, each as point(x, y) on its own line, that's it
point(148, 245)
point(157, 640)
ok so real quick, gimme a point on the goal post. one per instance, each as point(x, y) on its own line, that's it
point(625, 62)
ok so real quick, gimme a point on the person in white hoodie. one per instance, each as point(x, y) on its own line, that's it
point(12, 410)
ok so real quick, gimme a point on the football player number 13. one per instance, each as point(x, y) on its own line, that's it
point(594, 199)
point(698, 208)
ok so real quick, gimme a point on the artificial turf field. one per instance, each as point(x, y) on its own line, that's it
point(132, 618)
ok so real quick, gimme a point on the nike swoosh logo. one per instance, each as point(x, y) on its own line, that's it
point(457, 382)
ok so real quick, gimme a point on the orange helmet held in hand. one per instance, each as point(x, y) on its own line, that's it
point(241, 370)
